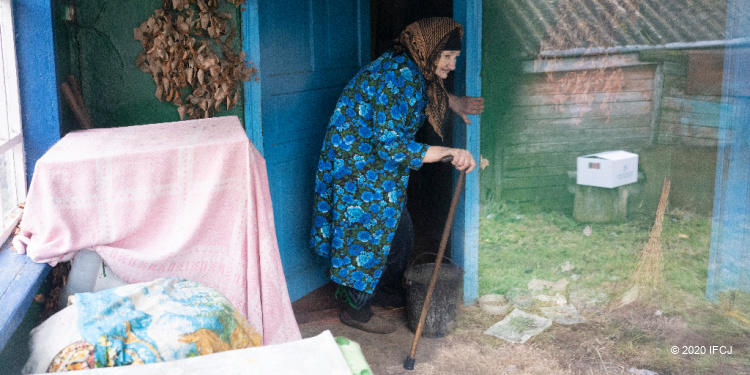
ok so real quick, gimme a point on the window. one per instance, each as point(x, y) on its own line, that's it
point(12, 175)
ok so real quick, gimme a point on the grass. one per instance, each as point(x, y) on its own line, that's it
point(521, 242)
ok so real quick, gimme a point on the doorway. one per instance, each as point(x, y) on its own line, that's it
point(430, 188)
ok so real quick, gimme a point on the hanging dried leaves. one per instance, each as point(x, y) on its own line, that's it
point(180, 41)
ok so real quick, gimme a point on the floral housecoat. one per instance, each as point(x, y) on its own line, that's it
point(364, 168)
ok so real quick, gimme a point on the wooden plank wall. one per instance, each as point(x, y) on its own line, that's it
point(548, 130)
point(686, 120)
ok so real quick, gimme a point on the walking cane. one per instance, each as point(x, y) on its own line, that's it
point(409, 364)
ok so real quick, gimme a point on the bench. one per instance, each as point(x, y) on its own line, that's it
point(20, 279)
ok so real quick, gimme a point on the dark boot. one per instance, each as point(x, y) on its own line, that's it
point(357, 313)
point(373, 324)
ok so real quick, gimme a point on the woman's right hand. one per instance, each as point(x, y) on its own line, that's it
point(462, 159)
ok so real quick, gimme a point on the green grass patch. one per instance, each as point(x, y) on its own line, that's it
point(521, 242)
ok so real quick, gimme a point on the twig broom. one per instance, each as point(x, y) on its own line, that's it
point(648, 271)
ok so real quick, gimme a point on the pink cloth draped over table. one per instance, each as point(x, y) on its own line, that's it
point(185, 199)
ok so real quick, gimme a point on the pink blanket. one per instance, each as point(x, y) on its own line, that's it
point(185, 199)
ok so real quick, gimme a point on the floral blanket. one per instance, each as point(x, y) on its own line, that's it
point(163, 320)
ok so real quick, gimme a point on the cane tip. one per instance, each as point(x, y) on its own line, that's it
point(409, 364)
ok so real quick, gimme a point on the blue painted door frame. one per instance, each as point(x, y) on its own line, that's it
point(274, 101)
point(729, 258)
point(465, 234)
point(37, 80)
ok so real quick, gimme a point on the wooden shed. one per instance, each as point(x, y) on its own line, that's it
point(593, 76)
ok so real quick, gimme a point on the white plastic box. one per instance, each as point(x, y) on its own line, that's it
point(88, 274)
point(607, 169)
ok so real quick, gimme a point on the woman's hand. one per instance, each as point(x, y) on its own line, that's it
point(462, 159)
point(466, 105)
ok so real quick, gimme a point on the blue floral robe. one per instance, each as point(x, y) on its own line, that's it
point(364, 168)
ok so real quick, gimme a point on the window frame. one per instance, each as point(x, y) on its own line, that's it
point(11, 134)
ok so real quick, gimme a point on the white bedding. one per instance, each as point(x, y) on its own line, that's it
point(53, 335)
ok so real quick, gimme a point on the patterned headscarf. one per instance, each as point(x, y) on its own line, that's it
point(425, 40)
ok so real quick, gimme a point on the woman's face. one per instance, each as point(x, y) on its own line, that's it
point(447, 63)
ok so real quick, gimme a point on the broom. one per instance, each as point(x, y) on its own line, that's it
point(648, 271)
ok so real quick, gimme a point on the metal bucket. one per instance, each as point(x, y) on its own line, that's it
point(444, 301)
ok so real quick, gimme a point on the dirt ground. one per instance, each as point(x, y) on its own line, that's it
point(600, 345)
point(458, 353)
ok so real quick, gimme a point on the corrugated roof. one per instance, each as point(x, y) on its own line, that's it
point(564, 25)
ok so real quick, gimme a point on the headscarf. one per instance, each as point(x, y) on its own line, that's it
point(424, 41)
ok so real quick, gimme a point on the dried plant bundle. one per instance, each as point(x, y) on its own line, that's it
point(648, 271)
point(180, 43)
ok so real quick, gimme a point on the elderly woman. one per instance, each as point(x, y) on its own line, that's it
point(360, 219)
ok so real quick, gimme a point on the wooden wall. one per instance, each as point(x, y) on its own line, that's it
point(691, 101)
point(623, 102)
point(555, 119)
